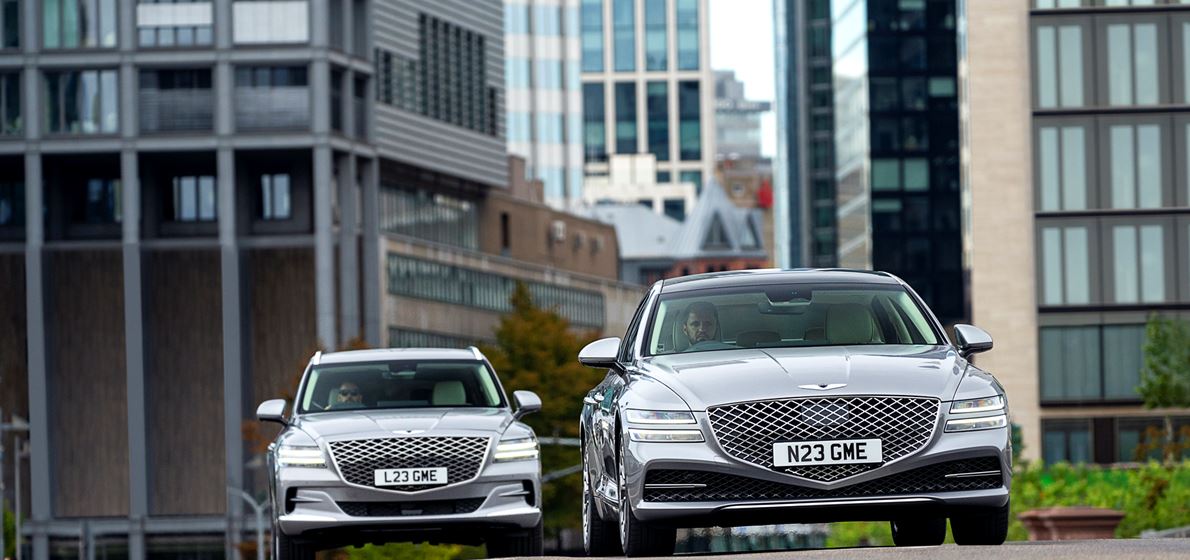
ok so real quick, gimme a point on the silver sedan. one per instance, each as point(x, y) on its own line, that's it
point(765, 397)
point(404, 445)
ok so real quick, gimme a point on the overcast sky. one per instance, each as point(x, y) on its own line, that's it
point(742, 40)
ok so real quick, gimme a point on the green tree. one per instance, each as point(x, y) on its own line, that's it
point(1165, 377)
point(10, 533)
point(537, 351)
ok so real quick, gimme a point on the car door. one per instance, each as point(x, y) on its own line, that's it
point(616, 384)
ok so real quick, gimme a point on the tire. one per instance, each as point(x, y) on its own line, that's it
point(637, 537)
point(988, 527)
point(599, 536)
point(920, 531)
point(286, 548)
point(528, 542)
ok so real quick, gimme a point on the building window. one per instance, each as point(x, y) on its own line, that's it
point(101, 203)
point(687, 31)
point(75, 24)
point(657, 107)
point(626, 132)
point(1091, 363)
point(398, 80)
point(476, 289)
point(1138, 263)
point(194, 199)
point(549, 74)
point(434, 217)
point(82, 102)
point(1065, 265)
point(656, 36)
point(592, 35)
point(272, 97)
point(176, 100)
point(270, 21)
point(693, 177)
point(689, 121)
point(675, 208)
point(336, 100)
point(594, 124)
point(1136, 166)
point(10, 24)
point(11, 123)
point(1059, 66)
point(453, 76)
point(174, 23)
point(1066, 440)
point(1132, 62)
point(12, 204)
point(624, 35)
point(664, 177)
point(1062, 166)
point(275, 197)
point(505, 234)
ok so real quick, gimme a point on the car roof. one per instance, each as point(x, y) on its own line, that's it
point(769, 276)
point(382, 354)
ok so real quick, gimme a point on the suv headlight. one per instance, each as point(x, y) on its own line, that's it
point(674, 436)
point(522, 449)
point(301, 456)
point(972, 424)
point(986, 404)
point(660, 417)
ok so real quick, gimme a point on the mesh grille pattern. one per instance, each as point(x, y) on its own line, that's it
point(357, 459)
point(748, 431)
point(726, 487)
point(398, 509)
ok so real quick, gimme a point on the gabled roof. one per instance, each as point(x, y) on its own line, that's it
point(717, 227)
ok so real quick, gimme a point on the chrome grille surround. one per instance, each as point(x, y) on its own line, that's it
point(747, 431)
point(462, 456)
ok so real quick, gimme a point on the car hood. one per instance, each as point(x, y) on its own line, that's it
point(361, 424)
point(706, 379)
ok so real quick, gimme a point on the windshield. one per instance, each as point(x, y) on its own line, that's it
point(400, 384)
point(791, 315)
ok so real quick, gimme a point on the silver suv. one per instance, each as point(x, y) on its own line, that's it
point(414, 445)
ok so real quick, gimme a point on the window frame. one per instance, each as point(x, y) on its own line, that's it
point(1090, 149)
point(1108, 252)
point(1094, 282)
point(1102, 78)
point(1103, 131)
point(1085, 24)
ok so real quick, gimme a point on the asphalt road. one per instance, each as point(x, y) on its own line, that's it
point(1146, 549)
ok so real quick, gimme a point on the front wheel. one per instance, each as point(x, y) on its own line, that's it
point(599, 536)
point(287, 548)
point(928, 531)
point(637, 537)
point(528, 542)
point(989, 527)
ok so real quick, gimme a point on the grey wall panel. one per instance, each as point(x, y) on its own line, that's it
point(87, 379)
point(184, 379)
point(417, 140)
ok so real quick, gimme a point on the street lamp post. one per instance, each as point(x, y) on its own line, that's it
point(258, 509)
point(17, 424)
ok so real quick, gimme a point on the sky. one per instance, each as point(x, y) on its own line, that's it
point(742, 40)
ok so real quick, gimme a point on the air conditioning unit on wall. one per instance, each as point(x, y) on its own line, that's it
point(558, 231)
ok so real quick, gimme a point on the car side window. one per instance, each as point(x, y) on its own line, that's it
point(629, 339)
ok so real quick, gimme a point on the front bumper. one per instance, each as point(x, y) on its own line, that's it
point(708, 457)
point(315, 504)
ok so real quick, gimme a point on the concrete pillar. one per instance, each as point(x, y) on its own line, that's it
point(349, 318)
point(40, 471)
point(324, 247)
point(134, 349)
point(372, 256)
point(233, 348)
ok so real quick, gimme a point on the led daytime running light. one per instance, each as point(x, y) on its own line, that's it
point(516, 450)
point(676, 436)
point(986, 404)
point(972, 424)
point(300, 456)
point(660, 417)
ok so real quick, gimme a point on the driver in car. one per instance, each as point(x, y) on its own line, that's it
point(348, 396)
point(701, 325)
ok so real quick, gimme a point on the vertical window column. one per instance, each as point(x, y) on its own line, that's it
point(624, 35)
point(82, 102)
point(656, 36)
point(687, 33)
point(1059, 66)
point(1062, 168)
point(657, 105)
point(689, 121)
point(592, 35)
point(626, 131)
point(1133, 60)
point(1065, 265)
point(1135, 159)
point(74, 24)
point(594, 124)
point(10, 24)
point(10, 104)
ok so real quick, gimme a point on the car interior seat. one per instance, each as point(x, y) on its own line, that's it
point(850, 323)
point(449, 393)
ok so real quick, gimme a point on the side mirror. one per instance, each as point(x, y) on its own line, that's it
point(601, 353)
point(272, 411)
point(972, 340)
point(527, 402)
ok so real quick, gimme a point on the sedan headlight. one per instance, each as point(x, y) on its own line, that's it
point(986, 404)
point(300, 456)
point(972, 424)
point(675, 436)
point(522, 449)
point(660, 417)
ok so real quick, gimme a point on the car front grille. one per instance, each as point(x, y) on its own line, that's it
point(400, 509)
point(717, 487)
point(747, 431)
point(357, 460)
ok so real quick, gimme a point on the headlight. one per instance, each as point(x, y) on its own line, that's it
point(972, 424)
point(678, 436)
point(660, 417)
point(516, 450)
point(986, 404)
point(300, 456)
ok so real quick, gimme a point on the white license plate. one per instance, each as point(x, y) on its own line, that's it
point(833, 452)
point(410, 477)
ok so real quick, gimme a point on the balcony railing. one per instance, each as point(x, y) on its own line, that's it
point(176, 110)
point(277, 108)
